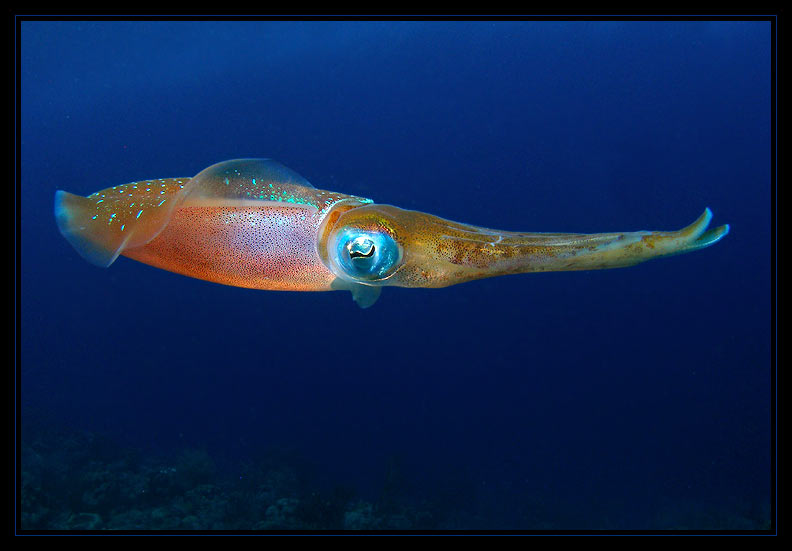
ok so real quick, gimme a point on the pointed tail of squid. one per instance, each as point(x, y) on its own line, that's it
point(105, 223)
point(76, 219)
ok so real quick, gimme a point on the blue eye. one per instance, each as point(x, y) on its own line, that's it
point(367, 255)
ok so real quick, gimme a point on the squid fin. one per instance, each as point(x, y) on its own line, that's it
point(249, 180)
point(73, 215)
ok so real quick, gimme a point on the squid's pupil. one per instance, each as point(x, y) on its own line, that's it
point(362, 247)
point(359, 254)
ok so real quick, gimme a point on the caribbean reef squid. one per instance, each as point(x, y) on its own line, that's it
point(255, 223)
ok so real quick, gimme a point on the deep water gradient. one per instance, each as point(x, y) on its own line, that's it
point(630, 398)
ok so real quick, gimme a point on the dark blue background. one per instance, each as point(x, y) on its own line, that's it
point(618, 394)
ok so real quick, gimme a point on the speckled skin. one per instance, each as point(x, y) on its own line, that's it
point(271, 248)
point(254, 223)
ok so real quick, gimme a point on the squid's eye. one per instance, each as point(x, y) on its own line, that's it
point(366, 254)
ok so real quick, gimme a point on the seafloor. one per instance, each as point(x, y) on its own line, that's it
point(75, 480)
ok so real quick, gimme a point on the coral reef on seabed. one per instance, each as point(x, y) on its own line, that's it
point(71, 480)
point(81, 481)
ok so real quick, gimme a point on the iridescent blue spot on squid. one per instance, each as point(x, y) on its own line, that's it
point(139, 213)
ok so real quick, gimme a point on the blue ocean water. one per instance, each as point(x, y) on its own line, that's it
point(636, 398)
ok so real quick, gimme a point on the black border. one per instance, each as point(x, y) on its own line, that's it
point(14, 164)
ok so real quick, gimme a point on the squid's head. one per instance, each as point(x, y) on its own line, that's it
point(377, 245)
point(364, 245)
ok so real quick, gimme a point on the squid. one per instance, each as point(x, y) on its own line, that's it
point(255, 223)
